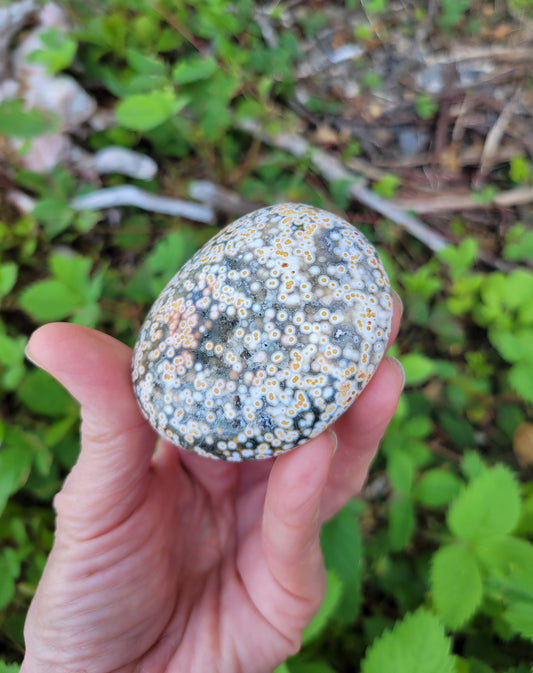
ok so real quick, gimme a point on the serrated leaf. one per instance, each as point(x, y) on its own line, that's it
point(417, 644)
point(326, 611)
point(49, 300)
point(437, 487)
point(488, 505)
point(456, 584)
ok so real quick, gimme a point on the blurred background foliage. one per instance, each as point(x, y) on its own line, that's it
point(430, 569)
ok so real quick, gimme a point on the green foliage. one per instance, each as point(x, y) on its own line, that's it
point(417, 644)
point(17, 122)
point(58, 52)
point(387, 186)
point(70, 292)
point(452, 12)
point(518, 243)
point(142, 112)
point(486, 566)
point(441, 537)
point(8, 668)
point(426, 106)
point(520, 170)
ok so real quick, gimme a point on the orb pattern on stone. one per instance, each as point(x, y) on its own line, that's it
point(265, 336)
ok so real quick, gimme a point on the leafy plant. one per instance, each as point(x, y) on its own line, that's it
point(70, 292)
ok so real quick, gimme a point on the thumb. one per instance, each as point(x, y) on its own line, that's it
point(110, 475)
point(291, 524)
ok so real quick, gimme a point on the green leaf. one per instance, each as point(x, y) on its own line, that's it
point(460, 258)
point(437, 487)
point(8, 277)
point(519, 616)
point(17, 122)
point(472, 465)
point(520, 378)
point(488, 505)
point(12, 358)
point(9, 571)
point(418, 368)
point(284, 668)
point(387, 186)
point(521, 249)
point(49, 300)
point(402, 522)
point(142, 112)
point(326, 611)
point(456, 584)
point(54, 214)
point(342, 548)
point(15, 463)
point(58, 53)
point(194, 68)
point(508, 561)
point(143, 64)
point(417, 644)
point(520, 170)
point(9, 668)
point(44, 395)
point(513, 345)
point(401, 471)
point(73, 271)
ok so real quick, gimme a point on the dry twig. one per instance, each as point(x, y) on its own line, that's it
point(333, 170)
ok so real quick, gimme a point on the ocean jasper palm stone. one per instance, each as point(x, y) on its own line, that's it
point(265, 336)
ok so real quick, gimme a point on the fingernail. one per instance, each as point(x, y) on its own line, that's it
point(399, 367)
point(334, 440)
point(398, 300)
point(29, 356)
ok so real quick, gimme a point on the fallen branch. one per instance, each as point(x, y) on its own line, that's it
point(220, 198)
point(450, 202)
point(333, 170)
point(128, 195)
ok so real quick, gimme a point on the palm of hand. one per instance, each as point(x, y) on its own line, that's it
point(168, 562)
point(170, 584)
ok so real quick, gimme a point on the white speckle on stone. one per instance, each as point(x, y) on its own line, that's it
point(265, 360)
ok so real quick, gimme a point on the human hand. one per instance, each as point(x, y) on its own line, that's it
point(166, 562)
